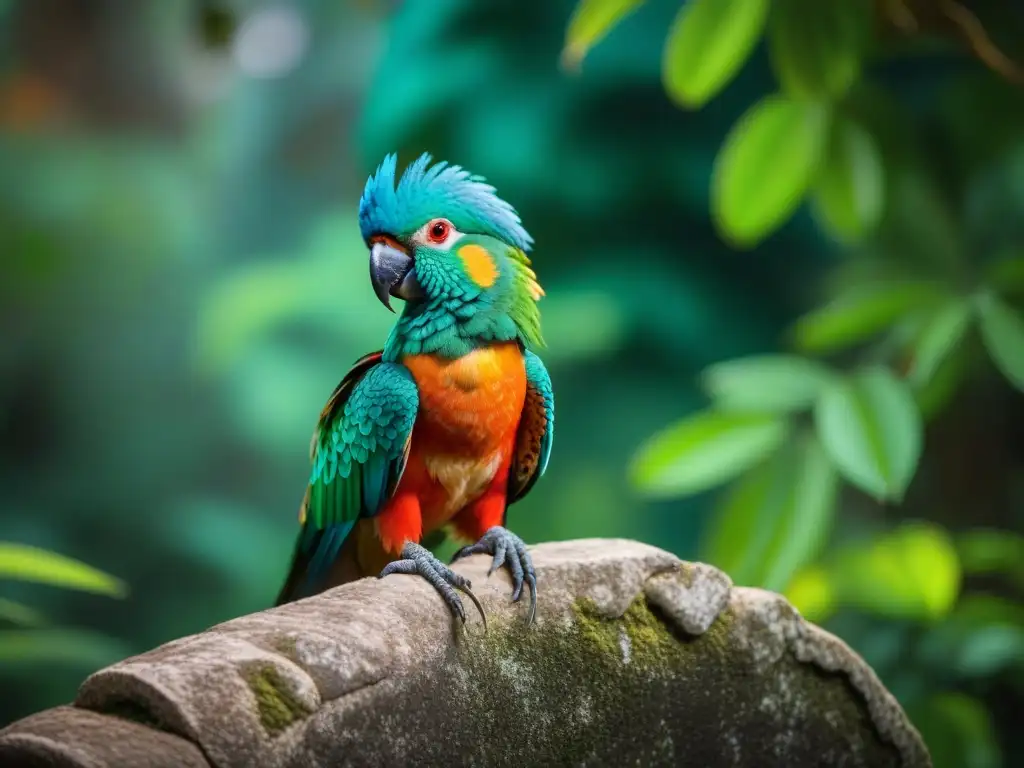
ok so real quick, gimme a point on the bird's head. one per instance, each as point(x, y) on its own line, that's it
point(441, 237)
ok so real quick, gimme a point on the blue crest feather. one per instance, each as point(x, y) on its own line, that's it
point(425, 192)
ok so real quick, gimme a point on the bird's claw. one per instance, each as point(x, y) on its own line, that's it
point(509, 550)
point(420, 561)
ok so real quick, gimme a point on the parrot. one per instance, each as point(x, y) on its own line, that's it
point(453, 420)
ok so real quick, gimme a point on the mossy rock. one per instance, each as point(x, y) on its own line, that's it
point(635, 659)
point(278, 707)
point(631, 690)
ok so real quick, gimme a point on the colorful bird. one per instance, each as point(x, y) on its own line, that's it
point(454, 419)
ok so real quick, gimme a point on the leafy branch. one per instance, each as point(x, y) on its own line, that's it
point(30, 637)
point(931, 290)
point(807, 141)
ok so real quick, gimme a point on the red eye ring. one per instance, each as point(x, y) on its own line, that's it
point(438, 230)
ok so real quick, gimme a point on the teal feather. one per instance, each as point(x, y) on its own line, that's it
point(538, 380)
point(536, 430)
point(457, 316)
point(425, 192)
point(324, 545)
point(354, 452)
point(359, 451)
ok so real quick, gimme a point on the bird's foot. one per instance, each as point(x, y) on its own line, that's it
point(509, 550)
point(419, 560)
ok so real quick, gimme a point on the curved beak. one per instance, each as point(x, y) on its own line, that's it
point(392, 274)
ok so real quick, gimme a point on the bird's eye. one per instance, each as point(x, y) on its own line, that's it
point(438, 230)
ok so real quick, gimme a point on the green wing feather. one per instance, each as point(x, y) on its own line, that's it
point(359, 451)
point(536, 430)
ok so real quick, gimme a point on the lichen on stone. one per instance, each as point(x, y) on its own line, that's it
point(277, 705)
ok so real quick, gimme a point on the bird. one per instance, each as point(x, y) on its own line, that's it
point(453, 420)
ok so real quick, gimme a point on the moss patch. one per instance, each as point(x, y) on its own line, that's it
point(572, 694)
point(599, 632)
point(278, 706)
point(717, 639)
point(638, 635)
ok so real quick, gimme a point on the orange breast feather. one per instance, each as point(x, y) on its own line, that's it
point(463, 440)
point(469, 406)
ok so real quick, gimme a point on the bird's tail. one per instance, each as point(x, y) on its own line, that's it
point(314, 555)
point(292, 589)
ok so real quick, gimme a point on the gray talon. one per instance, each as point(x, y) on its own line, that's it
point(508, 550)
point(417, 560)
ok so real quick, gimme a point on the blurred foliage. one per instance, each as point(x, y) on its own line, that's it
point(782, 251)
point(28, 639)
point(926, 294)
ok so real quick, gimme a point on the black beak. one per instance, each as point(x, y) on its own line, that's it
point(391, 272)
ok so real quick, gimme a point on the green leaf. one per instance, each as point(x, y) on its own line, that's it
point(988, 552)
point(707, 45)
point(737, 530)
point(591, 21)
point(936, 393)
point(777, 519)
point(811, 592)
point(849, 193)
point(804, 523)
point(988, 650)
point(861, 313)
point(23, 615)
point(990, 636)
point(764, 168)
point(982, 636)
point(770, 383)
point(910, 573)
point(958, 731)
point(705, 450)
point(26, 563)
point(1002, 330)
point(67, 646)
point(941, 334)
point(815, 48)
point(870, 427)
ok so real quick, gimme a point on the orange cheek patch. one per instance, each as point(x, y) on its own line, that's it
point(479, 265)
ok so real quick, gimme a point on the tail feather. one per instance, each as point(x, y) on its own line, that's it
point(291, 590)
point(314, 555)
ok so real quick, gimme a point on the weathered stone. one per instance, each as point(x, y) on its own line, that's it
point(692, 596)
point(636, 659)
point(69, 737)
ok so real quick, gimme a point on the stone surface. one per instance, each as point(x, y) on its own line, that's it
point(69, 736)
point(636, 659)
